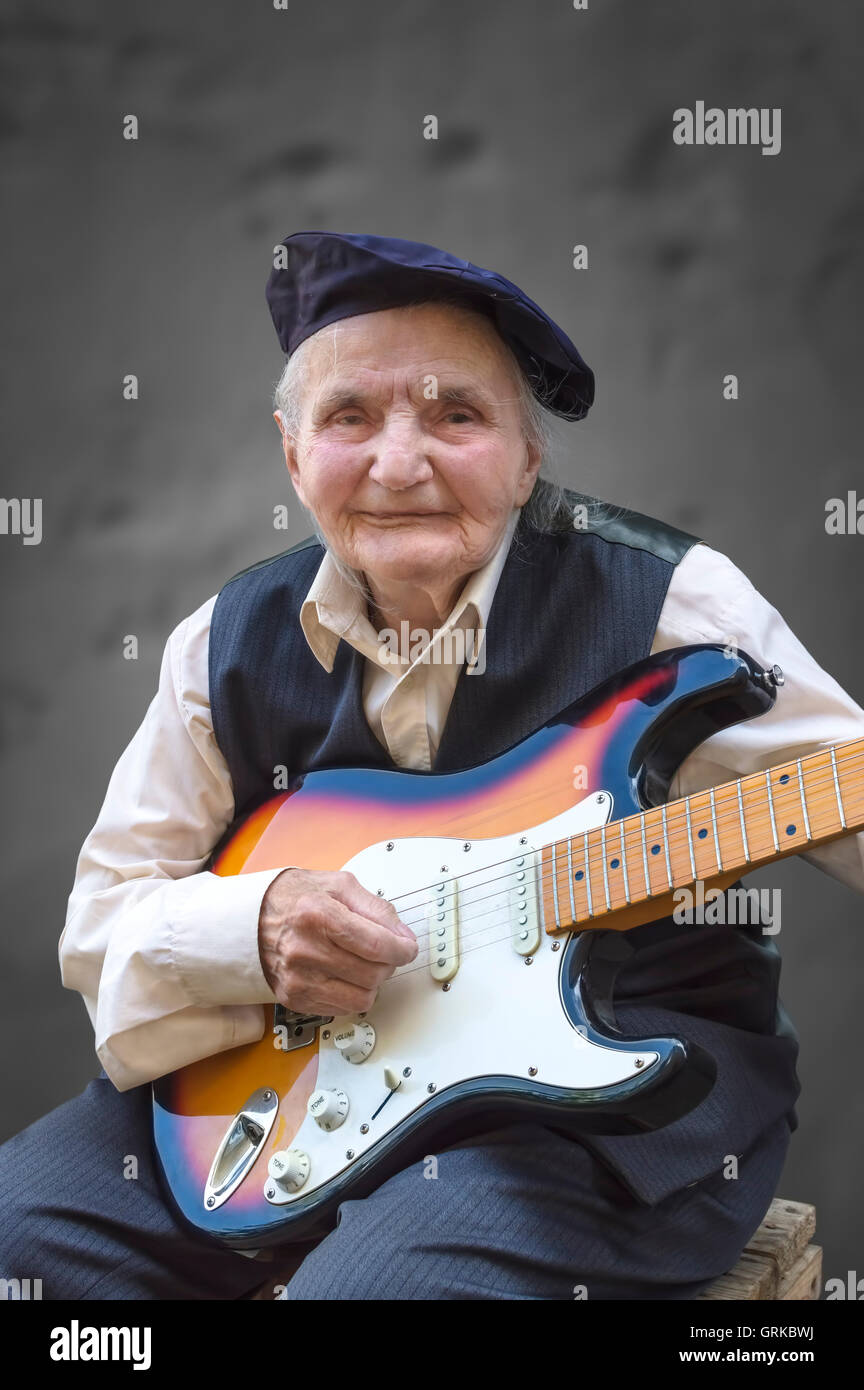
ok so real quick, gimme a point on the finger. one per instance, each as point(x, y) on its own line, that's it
point(347, 889)
point(361, 937)
point(333, 962)
point(340, 997)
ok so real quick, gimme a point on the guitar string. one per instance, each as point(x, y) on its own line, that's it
point(418, 965)
point(424, 938)
point(846, 753)
point(822, 777)
point(825, 790)
point(819, 787)
point(584, 923)
point(602, 913)
point(593, 922)
point(414, 967)
point(546, 874)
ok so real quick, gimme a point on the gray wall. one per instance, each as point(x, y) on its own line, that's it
point(555, 129)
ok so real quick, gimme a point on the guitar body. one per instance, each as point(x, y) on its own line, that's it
point(501, 1016)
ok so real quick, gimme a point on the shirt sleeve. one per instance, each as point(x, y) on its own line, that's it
point(709, 599)
point(164, 952)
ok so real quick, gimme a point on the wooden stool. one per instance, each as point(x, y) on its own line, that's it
point(778, 1263)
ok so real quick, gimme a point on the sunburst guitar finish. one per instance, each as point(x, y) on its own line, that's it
point(520, 879)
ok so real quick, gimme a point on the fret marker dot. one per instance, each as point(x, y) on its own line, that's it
point(613, 863)
point(790, 830)
point(578, 874)
point(655, 849)
point(785, 777)
point(702, 833)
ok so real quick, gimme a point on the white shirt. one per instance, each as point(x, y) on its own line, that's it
point(405, 706)
point(165, 953)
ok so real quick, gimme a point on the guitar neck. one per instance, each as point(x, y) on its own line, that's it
point(606, 875)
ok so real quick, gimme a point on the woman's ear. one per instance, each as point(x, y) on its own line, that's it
point(528, 476)
point(280, 424)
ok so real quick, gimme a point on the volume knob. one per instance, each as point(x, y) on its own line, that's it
point(355, 1041)
point(289, 1169)
point(328, 1108)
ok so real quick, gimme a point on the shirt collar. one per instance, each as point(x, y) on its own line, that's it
point(334, 609)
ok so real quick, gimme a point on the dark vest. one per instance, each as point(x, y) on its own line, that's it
point(571, 608)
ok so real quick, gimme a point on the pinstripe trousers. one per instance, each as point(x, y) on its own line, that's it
point(519, 1213)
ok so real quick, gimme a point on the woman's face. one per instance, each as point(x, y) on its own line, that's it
point(410, 451)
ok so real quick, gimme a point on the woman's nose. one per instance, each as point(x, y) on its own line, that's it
point(400, 458)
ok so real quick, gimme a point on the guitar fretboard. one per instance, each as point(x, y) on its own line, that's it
point(726, 829)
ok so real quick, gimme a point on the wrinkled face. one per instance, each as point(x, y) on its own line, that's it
point(410, 451)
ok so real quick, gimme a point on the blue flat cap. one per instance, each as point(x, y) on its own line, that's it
point(334, 275)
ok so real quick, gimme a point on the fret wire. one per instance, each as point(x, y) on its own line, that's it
point(771, 808)
point(837, 792)
point(624, 864)
point(588, 879)
point(648, 889)
point(824, 783)
point(824, 786)
point(852, 755)
point(690, 836)
point(570, 876)
point(803, 798)
point(605, 871)
point(827, 781)
point(540, 897)
point(555, 884)
point(837, 788)
point(666, 844)
point(743, 826)
point(716, 837)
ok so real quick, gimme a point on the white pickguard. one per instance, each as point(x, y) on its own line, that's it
point(498, 1017)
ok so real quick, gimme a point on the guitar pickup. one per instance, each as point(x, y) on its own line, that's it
point(523, 900)
point(442, 916)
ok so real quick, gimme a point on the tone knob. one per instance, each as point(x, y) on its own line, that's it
point(289, 1168)
point(328, 1108)
point(355, 1041)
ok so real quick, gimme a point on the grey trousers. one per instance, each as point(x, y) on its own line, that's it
point(520, 1213)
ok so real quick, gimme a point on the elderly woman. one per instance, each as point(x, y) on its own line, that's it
point(412, 417)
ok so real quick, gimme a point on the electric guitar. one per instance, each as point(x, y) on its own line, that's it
point(505, 872)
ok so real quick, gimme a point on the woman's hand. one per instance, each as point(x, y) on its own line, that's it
point(327, 944)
